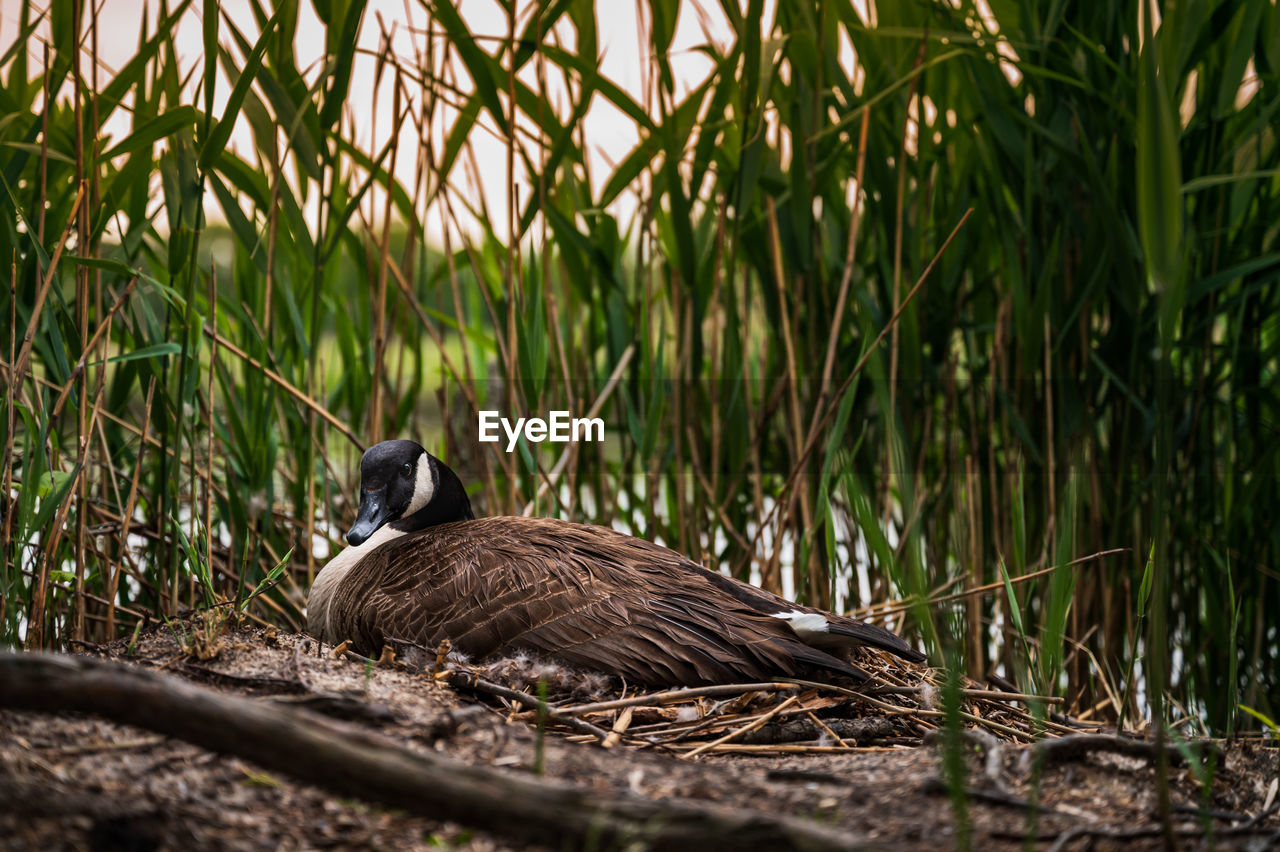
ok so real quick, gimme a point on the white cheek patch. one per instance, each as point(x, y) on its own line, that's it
point(424, 487)
point(805, 624)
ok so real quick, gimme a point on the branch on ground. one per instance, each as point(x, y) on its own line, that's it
point(1075, 746)
point(349, 761)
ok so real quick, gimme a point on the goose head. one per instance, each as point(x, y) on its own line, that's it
point(403, 485)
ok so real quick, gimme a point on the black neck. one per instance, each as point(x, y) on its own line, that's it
point(448, 503)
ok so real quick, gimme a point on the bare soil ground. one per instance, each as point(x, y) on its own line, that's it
point(76, 782)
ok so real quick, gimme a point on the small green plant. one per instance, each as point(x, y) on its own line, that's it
point(1203, 765)
point(272, 577)
point(257, 778)
point(133, 640)
point(1026, 669)
point(204, 640)
point(954, 752)
point(454, 840)
point(197, 566)
point(178, 630)
point(1271, 727)
point(1144, 596)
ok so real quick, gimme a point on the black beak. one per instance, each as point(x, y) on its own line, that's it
point(372, 514)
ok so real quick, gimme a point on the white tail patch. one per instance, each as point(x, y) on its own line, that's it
point(424, 486)
point(806, 624)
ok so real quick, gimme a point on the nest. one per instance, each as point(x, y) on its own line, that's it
point(899, 705)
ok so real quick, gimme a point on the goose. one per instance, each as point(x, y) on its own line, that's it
point(421, 567)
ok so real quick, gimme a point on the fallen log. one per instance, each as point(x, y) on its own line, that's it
point(349, 761)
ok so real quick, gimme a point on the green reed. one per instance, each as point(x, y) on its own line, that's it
point(795, 373)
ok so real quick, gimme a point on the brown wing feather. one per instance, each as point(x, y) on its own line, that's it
point(844, 631)
point(585, 595)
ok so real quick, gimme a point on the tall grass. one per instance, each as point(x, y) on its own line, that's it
point(803, 378)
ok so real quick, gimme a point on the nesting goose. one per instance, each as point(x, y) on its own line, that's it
point(421, 567)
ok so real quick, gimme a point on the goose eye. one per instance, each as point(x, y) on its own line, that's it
point(406, 469)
